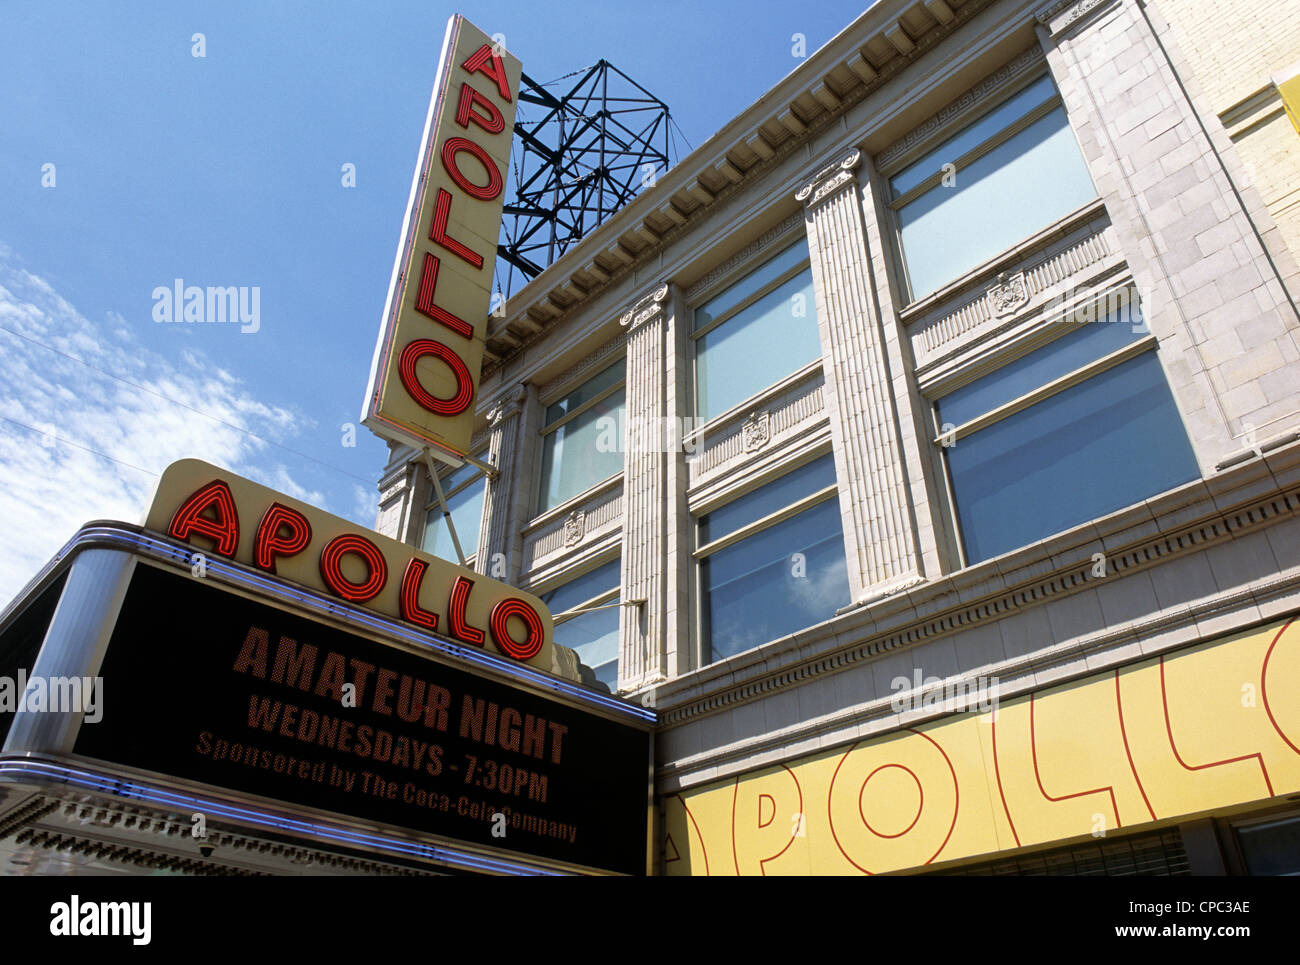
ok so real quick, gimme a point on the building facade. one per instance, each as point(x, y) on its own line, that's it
point(925, 449)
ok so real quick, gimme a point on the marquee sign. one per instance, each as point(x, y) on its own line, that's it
point(218, 688)
point(425, 373)
point(228, 516)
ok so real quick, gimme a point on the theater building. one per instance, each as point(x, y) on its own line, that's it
point(923, 449)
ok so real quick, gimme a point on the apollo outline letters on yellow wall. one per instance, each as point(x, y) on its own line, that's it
point(1204, 728)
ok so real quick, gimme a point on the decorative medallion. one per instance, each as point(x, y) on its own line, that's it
point(1008, 295)
point(575, 527)
point(757, 431)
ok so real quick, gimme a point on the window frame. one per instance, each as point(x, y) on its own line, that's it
point(964, 119)
point(548, 429)
point(778, 246)
point(701, 648)
point(1045, 333)
point(1237, 855)
point(605, 597)
point(432, 504)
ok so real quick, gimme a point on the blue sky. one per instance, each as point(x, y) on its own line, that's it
point(225, 170)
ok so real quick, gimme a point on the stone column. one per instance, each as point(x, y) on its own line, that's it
point(679, 534)
point(403, 493)
point(494, 544)
point(880, 534)
point(1216, 283)
point(642, 658)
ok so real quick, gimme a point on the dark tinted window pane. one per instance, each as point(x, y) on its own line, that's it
point(1019, 187)
point(588, 390)
point(1097, 447)
point(594, 635)
point(459, 476)
point(466, 515)
point(586, 587)
point(1272, 849)
point(1085, 344)
point(757, 347)
point(758, 590)
point(722, 303)
point(790, 488)
point(971, 137)
point(582, 452)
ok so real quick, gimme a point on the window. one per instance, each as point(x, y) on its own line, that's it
point(754, 334)
point(1074, 430)
point(1271, 847)
point(593, 633)
point(772, 562)
point(992, 184)
point(581, 438)
point(464, 490)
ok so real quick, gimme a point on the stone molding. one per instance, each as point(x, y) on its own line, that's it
point(504, 408)
point(750, 251)
point(600, 358)
point(829, 179)
point(1075, 10)
point(644, 308)
point(968, 103)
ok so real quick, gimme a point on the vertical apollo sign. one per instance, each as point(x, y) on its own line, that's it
point(425, 373)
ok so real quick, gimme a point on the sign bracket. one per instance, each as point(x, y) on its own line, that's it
point(442, 501)
point(491, 471)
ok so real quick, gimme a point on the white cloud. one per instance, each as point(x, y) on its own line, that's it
point(77, 444)
point(365, 505)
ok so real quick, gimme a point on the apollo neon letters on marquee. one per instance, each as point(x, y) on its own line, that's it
point(427, 362)
point(222, 514)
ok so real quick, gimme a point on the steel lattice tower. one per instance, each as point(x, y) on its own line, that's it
point(589, 153)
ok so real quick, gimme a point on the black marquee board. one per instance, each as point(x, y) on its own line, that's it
point(200, 683)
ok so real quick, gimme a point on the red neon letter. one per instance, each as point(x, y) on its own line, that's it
point(269, 542)
point(464, 381)
point(459, 598)
point(493, 123)
point(332, 573)
point(452, 148)
point(428, 282)
point(438, 233)
point(498, 623)
point(489, 64)
point(410, 597)
point(223, 530)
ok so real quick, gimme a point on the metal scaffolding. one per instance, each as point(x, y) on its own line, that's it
point(591, 151)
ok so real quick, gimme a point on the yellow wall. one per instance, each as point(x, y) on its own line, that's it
point(1234, 47)
point(1198, 730)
